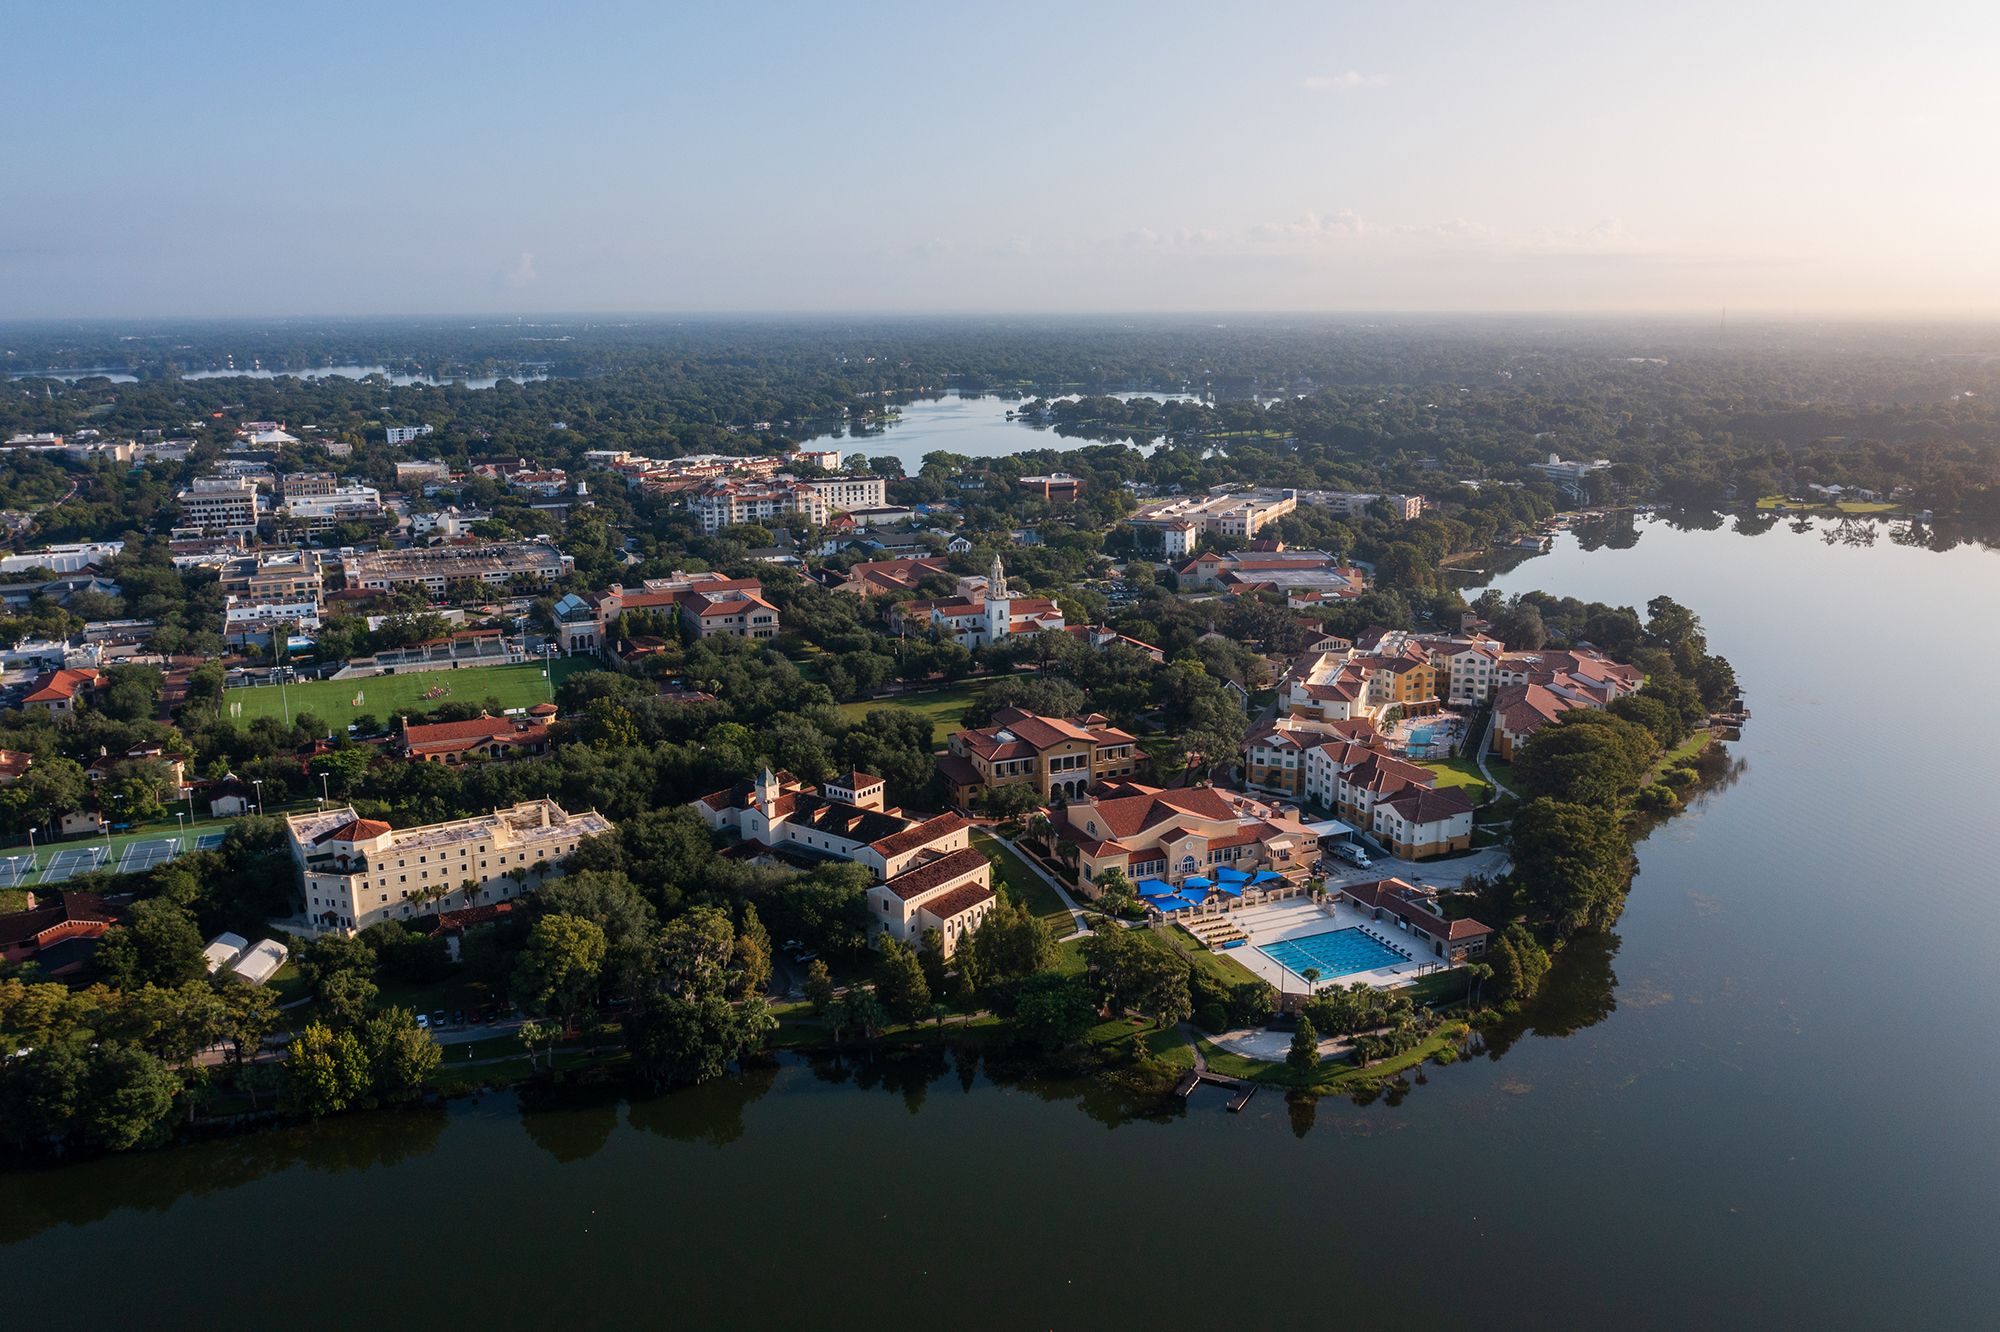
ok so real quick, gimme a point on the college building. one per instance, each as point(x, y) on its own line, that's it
point(356, 872)
point(926, 873)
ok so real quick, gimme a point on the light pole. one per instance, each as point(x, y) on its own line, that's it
point(258, 782)
point(180, 830)
point(325, 796)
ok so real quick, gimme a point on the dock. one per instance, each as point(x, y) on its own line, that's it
point(1243, 1090)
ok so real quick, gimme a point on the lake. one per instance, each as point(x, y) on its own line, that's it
point(1764, 1101)
point(362, 372)
point(974, 426)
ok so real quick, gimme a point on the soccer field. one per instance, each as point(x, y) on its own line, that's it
point(383, 696)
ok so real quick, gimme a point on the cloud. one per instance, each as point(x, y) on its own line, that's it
point(522, 273)
point(1346, 81)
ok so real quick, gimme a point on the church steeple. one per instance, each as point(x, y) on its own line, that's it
point(996, 580)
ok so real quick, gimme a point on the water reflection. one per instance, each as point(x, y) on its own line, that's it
point(35, 1200)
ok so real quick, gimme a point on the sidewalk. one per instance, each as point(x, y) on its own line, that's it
point(1026, 858)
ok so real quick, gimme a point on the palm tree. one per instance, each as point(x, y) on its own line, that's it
point(1312, 976)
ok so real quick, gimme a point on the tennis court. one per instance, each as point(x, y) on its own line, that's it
point(210, 841)
point(13, 869)
point(142, 856)
point(72, 861)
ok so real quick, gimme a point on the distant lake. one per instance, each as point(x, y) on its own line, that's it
point(72, 376)
point(1765, 1101)
point(362, 372)
point(963, 423)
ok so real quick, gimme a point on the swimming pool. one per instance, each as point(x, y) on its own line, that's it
point(1420, 736)
point(1335, 953)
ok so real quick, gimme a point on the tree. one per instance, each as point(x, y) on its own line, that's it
point(344, 998)
point(250, 1013)
point(1011, 942)
point(1573, 863)
point(678, 1041)
point(326, 1071)
point(1053, 1011)
point(930, 955)
point(128, 1095)
point(752, 955)
point(864, 1012)
point(158, 944)
point(905, 994)
point(612, 902)
point(819, 986)
point(693, 952)
point(1587, 757)
point(559, 967)
point(401, 1055)
point(1303, 1057)
point(1518, 962)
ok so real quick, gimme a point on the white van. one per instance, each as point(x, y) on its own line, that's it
point(1353, 855)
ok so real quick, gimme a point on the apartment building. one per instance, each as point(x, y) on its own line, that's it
point(1355, 503)
point(434, 568)
point(1341, 684)
point(1057, 756)
point(1055, 487)
point(276, 576)
point(926, 873)
point(1173, 835)
point(1182, 520)
point(219, 504)
point(708, 603)
point(405, 434)
point(1278, 570)
point(356, 872)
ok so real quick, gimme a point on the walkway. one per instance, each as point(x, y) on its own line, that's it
point(1077, 929)
point(1485, 744)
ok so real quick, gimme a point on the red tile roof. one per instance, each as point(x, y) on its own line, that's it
point(933, 874)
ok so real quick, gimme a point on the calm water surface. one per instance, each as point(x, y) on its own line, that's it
point(1770, 1102)
point(976, 427)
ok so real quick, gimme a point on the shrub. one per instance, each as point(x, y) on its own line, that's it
point(1212, 1018)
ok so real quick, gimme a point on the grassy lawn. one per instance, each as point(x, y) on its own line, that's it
point(383, 696)
point(1217, 964)
point(1682, 754)
point(943, 708)
point(1768, 502)
point(451, 994)
point(1331, 1077)
point(12, 900)
point(1459, 772)
point(1123, 1034)
point(1023, 884)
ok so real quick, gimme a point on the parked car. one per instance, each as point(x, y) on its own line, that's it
point(423, 1023)
point(437, 1019)
point(458, 1018)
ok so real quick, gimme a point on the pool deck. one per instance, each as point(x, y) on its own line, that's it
point(1292, 920)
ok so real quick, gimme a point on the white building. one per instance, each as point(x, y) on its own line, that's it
point(405, 434)
point(67, 558)
point(356, 872)
point(220, 504)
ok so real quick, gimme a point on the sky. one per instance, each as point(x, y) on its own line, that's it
point(1757, 156)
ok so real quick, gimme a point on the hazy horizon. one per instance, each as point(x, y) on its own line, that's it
point(612, 160)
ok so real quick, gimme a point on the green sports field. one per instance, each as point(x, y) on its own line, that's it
point(383, 696)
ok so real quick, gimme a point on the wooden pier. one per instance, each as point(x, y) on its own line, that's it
point(1243, 1090)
